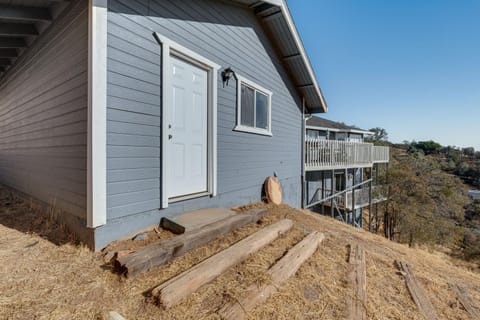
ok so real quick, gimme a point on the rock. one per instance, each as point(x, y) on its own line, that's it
point(310, 293)
point(115, 316)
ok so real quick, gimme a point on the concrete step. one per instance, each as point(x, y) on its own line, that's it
point(195, 219)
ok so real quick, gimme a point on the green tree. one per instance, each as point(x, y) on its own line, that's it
point(470, 151)
point(425, 204)
point(379, 134)
point(428, 147)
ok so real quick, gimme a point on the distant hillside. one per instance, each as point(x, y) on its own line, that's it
point(428, 203)
point(463, 162)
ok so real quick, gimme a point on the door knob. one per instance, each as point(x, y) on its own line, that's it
point(170, 137)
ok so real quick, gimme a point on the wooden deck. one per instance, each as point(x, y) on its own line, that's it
point(332, 154)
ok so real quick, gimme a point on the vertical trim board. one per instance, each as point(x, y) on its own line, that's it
point(97, 115)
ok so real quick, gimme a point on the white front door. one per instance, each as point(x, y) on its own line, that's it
point(187, 141)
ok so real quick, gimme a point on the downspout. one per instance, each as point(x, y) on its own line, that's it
point(303, 153)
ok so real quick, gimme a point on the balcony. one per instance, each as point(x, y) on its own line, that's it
point(333, 154)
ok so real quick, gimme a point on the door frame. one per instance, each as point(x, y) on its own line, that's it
point(171, 48)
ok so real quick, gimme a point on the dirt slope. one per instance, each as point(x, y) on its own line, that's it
point(45, 276)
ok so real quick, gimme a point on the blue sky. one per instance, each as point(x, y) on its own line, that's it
point(411, 67)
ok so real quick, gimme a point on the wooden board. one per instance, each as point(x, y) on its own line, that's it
point(158, 253)
point(280, 272)
point(357, 279)
point(178, 288)
point(466, 300)
point(417, 292)
point(273, 190)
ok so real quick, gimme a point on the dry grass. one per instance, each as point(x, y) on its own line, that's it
point(45, 275)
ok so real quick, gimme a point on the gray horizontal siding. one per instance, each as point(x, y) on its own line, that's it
point(43, 117)
point(229, 36)
point(129, 224)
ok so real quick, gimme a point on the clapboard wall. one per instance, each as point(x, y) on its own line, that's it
point(43, 117)
point(228, 35)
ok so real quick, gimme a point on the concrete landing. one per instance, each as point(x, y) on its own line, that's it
point(196, 219)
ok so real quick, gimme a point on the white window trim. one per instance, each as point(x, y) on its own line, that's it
point(169, 48)
point(97, 114)
point(239, 127)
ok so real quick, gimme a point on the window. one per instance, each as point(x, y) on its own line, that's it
point(341, 136)
point(355, 137)
point(312, 134)
point(316, 134)
point(253, 108)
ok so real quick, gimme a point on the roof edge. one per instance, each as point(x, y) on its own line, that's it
point(339, 130)
point(286, 12)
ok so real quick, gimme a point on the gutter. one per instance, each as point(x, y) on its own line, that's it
point(304, 123)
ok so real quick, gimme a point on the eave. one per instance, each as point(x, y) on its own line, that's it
point(278, 21)
point(21, 23)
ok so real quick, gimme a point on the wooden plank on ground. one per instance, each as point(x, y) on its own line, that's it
point(417, 292)
point(176, 289)
point(357, 279)
point(466, 300)
point(156, 254)
point(280, 272)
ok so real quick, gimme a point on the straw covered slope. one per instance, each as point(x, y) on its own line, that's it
point(45, 278)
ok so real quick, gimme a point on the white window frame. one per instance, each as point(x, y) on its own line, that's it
point(171, 48)
point(239, 127)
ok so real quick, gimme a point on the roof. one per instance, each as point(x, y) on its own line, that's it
point(274, 14)
point(325, 124)
point(278, 21)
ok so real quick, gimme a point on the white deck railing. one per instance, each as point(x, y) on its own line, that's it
point(362, 197)
point(333, 154)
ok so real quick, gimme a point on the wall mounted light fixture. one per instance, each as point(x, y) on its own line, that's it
point(227, 75)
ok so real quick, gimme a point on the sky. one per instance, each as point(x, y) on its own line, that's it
point(411, 67)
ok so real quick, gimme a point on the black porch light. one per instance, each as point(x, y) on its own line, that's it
point(227, 75)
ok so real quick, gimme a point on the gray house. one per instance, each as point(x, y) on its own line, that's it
point(117, 113)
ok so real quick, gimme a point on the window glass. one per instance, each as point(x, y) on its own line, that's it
point(254, 108)
point(261, 107)
point(341, 136)
point(247, 109)
point(312, 134)
point(355, 137)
